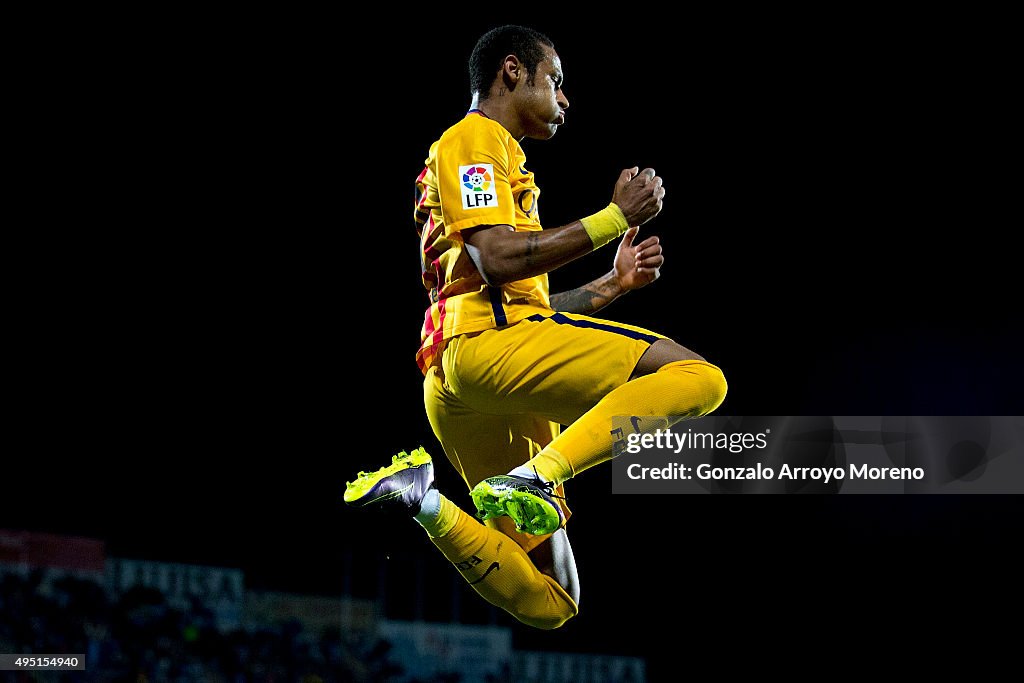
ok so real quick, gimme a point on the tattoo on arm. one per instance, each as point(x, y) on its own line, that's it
point(579, 300)
point(586, 299)
point(531, 248)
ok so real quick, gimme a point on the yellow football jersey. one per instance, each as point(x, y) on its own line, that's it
point(475, 175)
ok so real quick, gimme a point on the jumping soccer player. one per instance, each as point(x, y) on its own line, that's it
point(505, 364)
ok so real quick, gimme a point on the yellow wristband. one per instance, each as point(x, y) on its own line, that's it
point(605, 225)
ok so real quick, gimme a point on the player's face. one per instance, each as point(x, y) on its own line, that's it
point(545, 103)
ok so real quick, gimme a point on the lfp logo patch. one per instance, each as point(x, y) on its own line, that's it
point(478, 186)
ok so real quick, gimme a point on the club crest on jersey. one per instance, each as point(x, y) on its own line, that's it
point(477, 185)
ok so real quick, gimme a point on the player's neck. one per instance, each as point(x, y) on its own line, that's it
point(502, 112)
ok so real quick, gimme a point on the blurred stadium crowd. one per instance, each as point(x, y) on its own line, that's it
point(144, 621)
point(139, 637)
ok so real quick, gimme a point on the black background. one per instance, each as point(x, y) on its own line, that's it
point(242, 341)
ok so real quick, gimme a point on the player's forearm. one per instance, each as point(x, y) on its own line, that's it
point(506, 256)
point(589, 298)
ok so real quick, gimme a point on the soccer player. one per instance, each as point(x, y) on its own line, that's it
point(506, 363)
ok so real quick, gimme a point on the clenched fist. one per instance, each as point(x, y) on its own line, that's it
point(639, 195)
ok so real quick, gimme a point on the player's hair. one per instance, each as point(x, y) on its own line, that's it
point(498, 43)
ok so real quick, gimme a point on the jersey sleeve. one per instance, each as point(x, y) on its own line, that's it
point(473, 171)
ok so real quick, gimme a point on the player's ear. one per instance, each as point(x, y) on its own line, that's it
point(511, 71)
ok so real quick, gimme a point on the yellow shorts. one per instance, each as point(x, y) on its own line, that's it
point(499, 396)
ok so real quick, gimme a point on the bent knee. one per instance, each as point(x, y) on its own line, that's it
point(704, 386)
point(548, 608)
point(715, 388)
point(550, 619)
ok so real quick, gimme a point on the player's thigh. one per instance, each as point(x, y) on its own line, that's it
point(480, 445)
point(557, 366)
point(661, 353)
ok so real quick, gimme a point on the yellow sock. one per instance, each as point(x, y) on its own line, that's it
point(501, 571)
point(686, 388)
